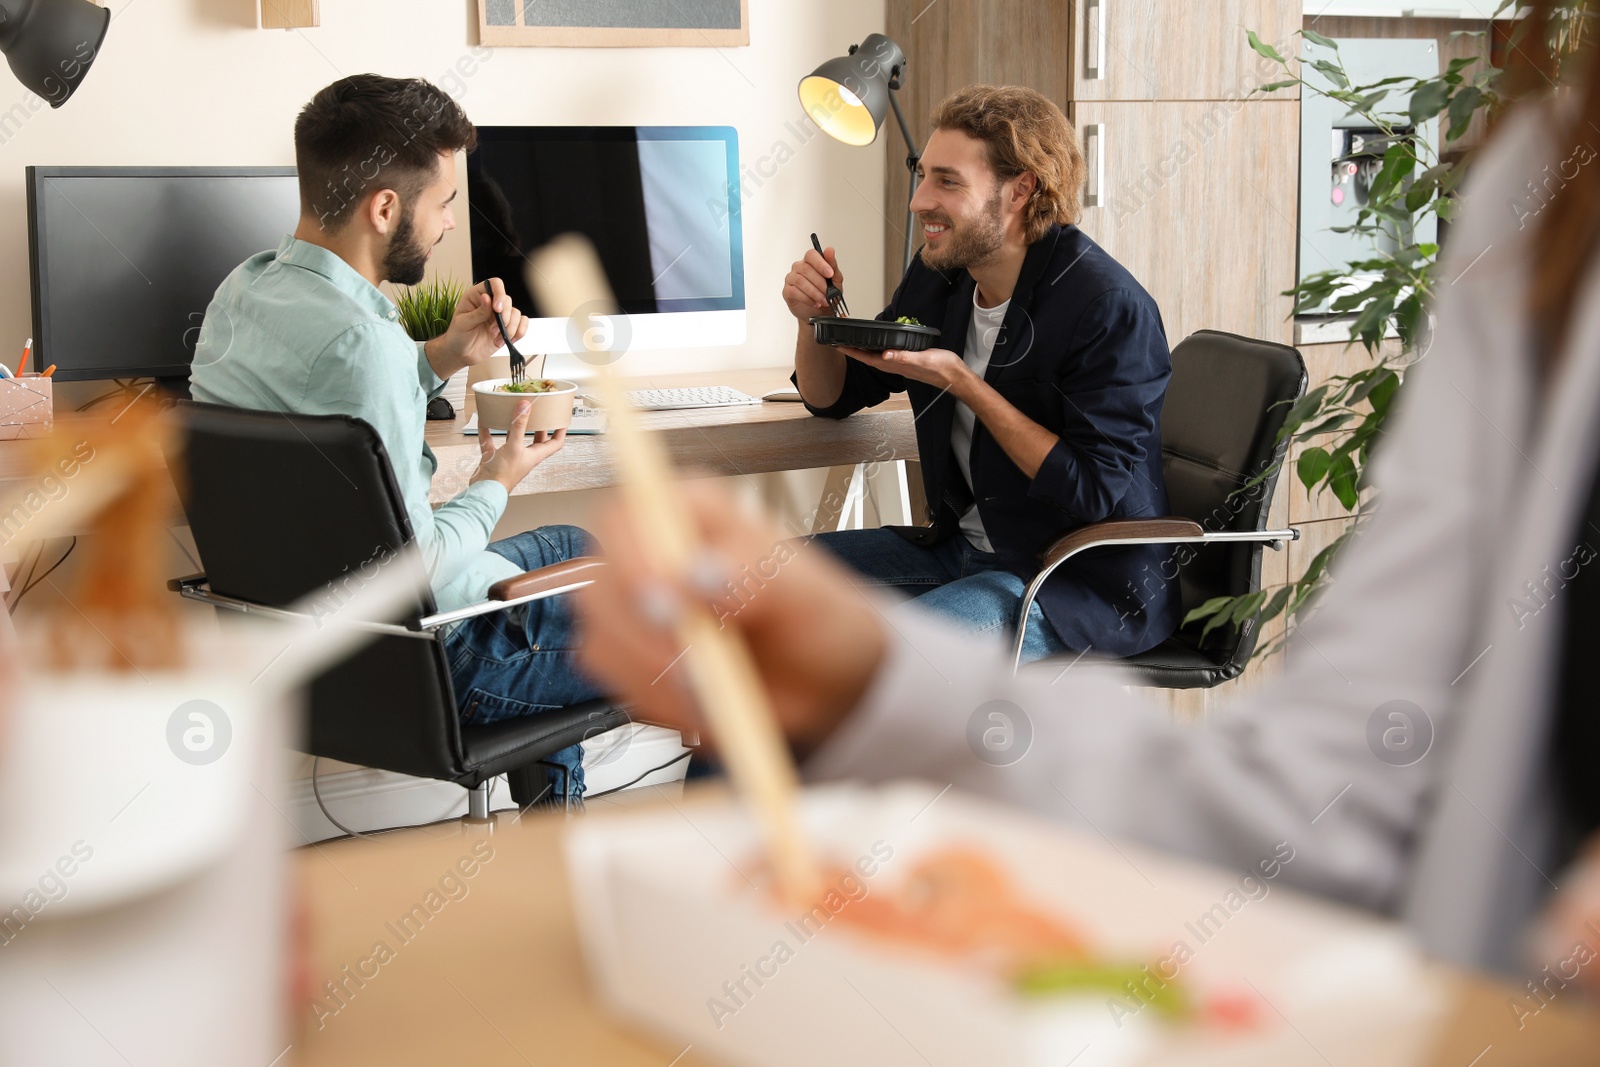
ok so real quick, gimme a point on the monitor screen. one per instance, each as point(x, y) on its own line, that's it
point(660, 204)
point(124, 260)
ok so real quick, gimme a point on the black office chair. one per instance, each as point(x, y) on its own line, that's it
point(1226, 402)
point(282, 506)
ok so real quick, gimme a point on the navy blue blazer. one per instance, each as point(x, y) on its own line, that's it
point(1082, 353)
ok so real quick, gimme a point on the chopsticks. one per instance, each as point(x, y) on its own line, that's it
point(835, 295)
point(566, 274)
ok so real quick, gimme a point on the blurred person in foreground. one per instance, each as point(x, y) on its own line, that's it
point(1467, 608)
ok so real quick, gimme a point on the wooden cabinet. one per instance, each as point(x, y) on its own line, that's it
point(1176, 49)
point(1197, 199)
point(289, 14)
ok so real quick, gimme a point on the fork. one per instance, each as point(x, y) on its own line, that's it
point(835, 296)
point(519, 366)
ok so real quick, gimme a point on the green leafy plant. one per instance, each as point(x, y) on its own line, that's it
point(1392, 286)
point(426, 309)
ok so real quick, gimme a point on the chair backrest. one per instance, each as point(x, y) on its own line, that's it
point(1226, 403)
point(284, 506)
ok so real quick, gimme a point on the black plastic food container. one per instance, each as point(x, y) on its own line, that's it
point(873, 335)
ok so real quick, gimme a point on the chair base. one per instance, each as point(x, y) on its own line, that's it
point(478, 802)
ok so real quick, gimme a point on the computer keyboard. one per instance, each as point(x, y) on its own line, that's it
point(711, 396)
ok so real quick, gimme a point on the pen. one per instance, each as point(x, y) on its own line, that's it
point(24, 364)
point(51, 369)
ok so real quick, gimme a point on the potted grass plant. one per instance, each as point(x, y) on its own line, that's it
point(427, 308)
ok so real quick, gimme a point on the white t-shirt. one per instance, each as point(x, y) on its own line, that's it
point(982, 331)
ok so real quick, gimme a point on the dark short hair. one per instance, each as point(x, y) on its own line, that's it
point(365, 133)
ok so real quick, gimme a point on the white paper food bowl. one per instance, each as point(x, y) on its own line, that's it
point(678, 939)
point(95, 798)
point(551, 410)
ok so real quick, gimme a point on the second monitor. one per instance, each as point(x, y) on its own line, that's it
point(660, 204)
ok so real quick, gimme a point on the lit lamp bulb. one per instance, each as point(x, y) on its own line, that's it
point(848, 97)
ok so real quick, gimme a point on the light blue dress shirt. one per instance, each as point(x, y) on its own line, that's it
point(299, 330)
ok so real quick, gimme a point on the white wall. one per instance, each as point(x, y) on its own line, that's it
point(190, 82)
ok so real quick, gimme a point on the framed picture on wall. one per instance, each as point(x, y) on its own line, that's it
point(614, 23)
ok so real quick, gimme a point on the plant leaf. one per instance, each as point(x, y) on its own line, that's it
point(1429, 99)
point(1462, 107)
point(1263, 48)
point(1303, 409)
point(1313, 466)
point(1370, 101)
point(1334, 72)
point(1208, 609)
point(1329, 424)
point(1275, 604)
point(1383, 393)
point(1316, 38)
point(1342, 480)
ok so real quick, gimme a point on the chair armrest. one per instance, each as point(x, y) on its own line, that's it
point(545, 582)
point(188, 581)
point(1168, 531)
point(1137, 531)
point(580, 569)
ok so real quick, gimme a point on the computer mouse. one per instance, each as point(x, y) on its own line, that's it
point(440, 410)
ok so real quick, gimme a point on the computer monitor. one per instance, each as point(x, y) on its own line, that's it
point(124, 260)
point(660, 204)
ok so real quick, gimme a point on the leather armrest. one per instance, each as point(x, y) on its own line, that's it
point(577, 569)
point(1115, 529)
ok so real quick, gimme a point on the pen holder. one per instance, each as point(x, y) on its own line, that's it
point(26, 408)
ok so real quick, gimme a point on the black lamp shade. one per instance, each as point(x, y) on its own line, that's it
point(848, 97)
point(51, 43)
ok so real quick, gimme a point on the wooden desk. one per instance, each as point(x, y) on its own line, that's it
point(496, 976)
point(757, 439)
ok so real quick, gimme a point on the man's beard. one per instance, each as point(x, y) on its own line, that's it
point(405, 261)
point(973, 242)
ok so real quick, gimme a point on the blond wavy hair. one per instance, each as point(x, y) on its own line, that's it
point(1025, 133)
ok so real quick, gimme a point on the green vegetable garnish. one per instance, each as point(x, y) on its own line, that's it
point(541, 385)
point(1058, 977)
point(906, 320)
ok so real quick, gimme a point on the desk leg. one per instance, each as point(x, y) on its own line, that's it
point(836, 497)
point(894, 507)
point(916, 499)
point(8, 633)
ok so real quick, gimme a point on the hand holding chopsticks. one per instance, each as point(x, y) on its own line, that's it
point(567, 276)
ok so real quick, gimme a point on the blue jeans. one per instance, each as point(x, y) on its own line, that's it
point(951, 579)
point(523, 661)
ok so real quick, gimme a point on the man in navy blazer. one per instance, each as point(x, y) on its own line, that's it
point(1040, 414)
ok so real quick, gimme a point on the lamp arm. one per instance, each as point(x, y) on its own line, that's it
point(913, 157)
point(914, 153)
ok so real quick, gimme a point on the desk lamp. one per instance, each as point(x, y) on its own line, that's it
point(51, 43)
point(849, 96)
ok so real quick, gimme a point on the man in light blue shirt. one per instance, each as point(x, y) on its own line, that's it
point(306, 329)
